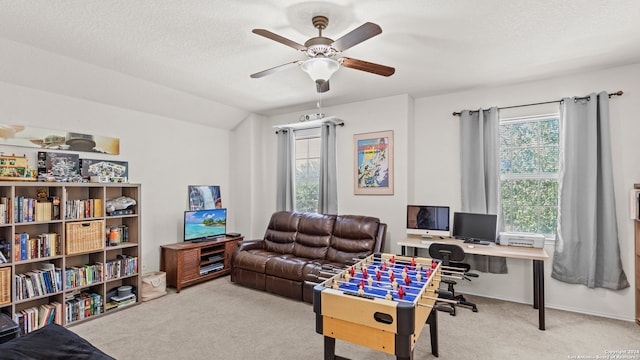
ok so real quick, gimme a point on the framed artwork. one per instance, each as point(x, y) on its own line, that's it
point(204, 197)
point(373, 154)
point(48, 139)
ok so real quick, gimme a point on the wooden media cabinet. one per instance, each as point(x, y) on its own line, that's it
point(190, 263)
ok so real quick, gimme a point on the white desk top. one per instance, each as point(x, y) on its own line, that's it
point(493, 249)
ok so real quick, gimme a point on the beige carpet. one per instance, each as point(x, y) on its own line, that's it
point(221, 320)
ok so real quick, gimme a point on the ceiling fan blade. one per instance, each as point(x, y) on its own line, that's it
point(269, 35)
point(356, 36)
point(275, 69)
point(367, 66)
point(322, 86)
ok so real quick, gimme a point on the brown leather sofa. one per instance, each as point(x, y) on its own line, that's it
point(297, 245)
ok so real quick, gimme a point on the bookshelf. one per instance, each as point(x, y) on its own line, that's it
point(190, 263)
point(65, 254)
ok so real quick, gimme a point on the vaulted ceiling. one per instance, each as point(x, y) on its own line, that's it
point(205, 48)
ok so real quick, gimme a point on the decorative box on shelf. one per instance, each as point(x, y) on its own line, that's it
point(84, 236)
point(104, 171)
point(16, 168)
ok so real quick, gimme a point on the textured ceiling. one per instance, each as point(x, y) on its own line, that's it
point(206, 48)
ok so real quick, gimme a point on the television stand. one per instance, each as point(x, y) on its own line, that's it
point(190, 263)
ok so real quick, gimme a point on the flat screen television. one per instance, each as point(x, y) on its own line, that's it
point(203, 225)
point(475, 226)
point(428, 220)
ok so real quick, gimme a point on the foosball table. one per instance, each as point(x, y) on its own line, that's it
point(381, 302)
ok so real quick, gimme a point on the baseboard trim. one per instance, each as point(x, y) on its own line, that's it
point(556, 307)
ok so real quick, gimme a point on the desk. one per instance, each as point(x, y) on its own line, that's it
point(538, 256)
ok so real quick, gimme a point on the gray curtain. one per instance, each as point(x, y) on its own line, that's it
point(285, 178)
point(480, 175)
point(587, 250)
point(328, 196)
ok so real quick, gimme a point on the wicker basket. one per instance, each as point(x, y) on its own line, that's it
point(5, 285)
point(84, 236)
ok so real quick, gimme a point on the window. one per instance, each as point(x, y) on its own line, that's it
point(307, 170)
point(529, 174)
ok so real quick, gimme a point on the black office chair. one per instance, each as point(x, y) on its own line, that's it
point(451, 255)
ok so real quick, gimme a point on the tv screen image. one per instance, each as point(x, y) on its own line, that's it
point(203, 224)
point(428, 220)
point(476, 226)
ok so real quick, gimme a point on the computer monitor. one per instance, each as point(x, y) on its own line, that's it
point(476, 226)
point(428, 220)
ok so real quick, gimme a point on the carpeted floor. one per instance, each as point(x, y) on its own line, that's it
point(221, 320)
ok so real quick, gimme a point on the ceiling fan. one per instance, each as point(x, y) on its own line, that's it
point(320, 51)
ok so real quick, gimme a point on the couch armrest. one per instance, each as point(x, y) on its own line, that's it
point(250, 245)
point(380, 238)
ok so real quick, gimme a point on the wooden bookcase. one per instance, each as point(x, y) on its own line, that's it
point(71, 237)
point(190, 263)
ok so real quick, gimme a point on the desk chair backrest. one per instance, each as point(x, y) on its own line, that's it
point(451, 254)
point(446, 252)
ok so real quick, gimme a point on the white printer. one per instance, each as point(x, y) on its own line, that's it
point(521, 239)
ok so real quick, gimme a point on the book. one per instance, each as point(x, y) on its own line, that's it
point(23, 245)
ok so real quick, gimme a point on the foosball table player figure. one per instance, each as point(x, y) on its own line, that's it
point(381, 302)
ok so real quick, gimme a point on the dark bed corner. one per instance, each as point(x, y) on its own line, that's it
point(51, 342)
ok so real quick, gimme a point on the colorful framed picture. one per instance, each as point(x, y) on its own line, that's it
point(373, 155)
point(204, 197)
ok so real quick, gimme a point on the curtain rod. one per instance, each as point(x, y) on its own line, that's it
point(617, 93)
point(304, 125)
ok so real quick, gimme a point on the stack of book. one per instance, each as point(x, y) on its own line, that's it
point(37, 317)
point(45, 245)
point(82, 306)
point(38, 282)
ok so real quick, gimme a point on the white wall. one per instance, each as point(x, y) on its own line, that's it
point(247, 142)
point(165, 155)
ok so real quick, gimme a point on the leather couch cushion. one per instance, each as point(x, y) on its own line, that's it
point(314, 235)
point(281, 232)
point(286, 267)
point(353, 236)
point(254, 260)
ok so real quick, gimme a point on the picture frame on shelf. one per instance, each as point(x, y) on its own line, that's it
point(204, 197)
point(373, 163)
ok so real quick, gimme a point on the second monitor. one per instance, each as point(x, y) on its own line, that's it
point(475, 226)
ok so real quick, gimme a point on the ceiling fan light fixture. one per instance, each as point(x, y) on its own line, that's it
point(320, 69)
